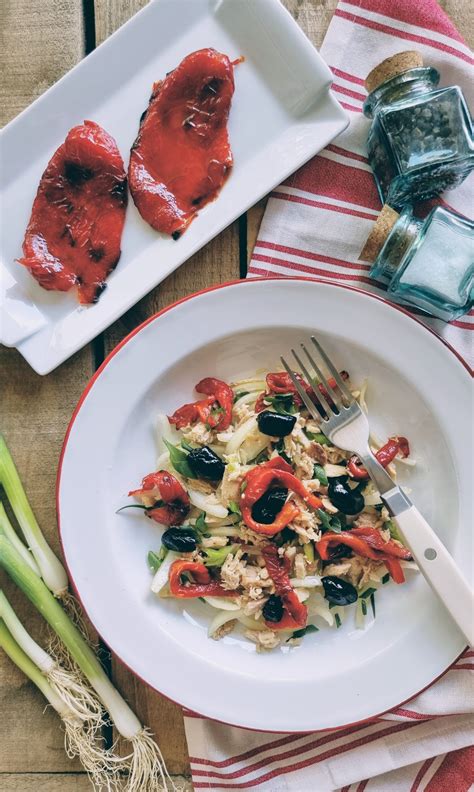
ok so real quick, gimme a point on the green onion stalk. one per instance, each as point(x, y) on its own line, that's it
point(145, 764)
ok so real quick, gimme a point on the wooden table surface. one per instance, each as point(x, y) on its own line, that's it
point(41, 40)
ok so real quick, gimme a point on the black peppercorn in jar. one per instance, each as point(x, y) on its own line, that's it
point(421, 139)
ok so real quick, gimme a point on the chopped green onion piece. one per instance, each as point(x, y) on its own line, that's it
point(239, 395)
point(52, 571)
point(393, 528)
point(155, 560)
point(372, 602)
point(310, 628)
point(186, 446)
point(333, 524)
point(234, 508)
point(200, 524)
point(308, 550)
point(132, 506)
point(318, 437)
point(243, 486)
point(215, 557)
point(179, 460)
point(320, 474)
point(385, 579)
point(363, 605)
point(367, 593)
point(337, 619)
point(282, 403)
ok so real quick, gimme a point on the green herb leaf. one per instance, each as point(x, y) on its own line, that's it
point(319, 437)
point(215, 557)
point(310, 628)
point(179, 460)
point(320, 474)
point(155, 560)
point(240, 394)
point(282, 403)
point(337, 618)
point(233, 508)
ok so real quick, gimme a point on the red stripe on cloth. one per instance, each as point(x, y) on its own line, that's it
point(347, 76)
point(332, 179)
point(258, 271)
point(321, 205)
point(462, 667)
point(348, 92)
point(423, 13)
point(411, 714)
point(362, 785)
point(351, 107)
point(402, 34)
point(313, 760)
point(310, 255)
point(346, 153)
point(463, 325)
point(311, 746)
point(421, 772)
point(249, 754)
point(456, 772)
point(315, 271)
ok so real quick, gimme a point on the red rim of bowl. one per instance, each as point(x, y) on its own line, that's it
point(85, 393)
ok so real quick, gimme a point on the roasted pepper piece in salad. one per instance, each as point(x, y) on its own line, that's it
point(163, 489)
point(280, 382)
point(368, 543)
point(295, 614)
point(385, 455)
point(204, 585)
point(259, 480)
point(215, 410)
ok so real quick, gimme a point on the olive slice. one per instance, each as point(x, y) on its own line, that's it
point(337, 591)
point(275, 424)
point(180, 539)
point(273, 609)
point(269, 505)
point(206, 464)
point(347, 500)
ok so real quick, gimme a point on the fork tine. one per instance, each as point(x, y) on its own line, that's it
point(322, 401)
point(339, 381)
point(334, 397)
point(301, 391)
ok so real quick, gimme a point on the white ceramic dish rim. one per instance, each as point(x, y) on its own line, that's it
point(30, 321)
point(212, 712)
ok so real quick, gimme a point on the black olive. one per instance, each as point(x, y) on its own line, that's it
point(182, 540)
point(206, 464)
point(338, 551)
point(338, 591)
point(269, 505)
point(346, 500)
point(273, 609)
point(275, 424)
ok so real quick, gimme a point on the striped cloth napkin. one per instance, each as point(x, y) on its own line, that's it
point(316, 224)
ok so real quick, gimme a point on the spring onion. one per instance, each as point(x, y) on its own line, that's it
point(308, 550)
point(16, 541)
point(51, 569)
point(216, 557)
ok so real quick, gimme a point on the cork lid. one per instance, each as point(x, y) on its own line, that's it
point(392, 66)
point(380, 231)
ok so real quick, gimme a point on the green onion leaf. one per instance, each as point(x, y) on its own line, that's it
point(385, 579)
point(233, 508)
point(337, 618)
point(187, 446)
point(334, 524)
point(155, 560)
point(215, 557)
point(318, 437)
point(394, 532)
point(308, 550)
point(240, 394)
point(282, 403)
point(372, 602)
point(179, 460)
point(310, 628)
point(367, 593)
point(363, 605)
point(200, 524)
point(320, 474)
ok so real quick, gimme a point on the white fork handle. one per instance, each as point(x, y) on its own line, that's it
point(439, 569)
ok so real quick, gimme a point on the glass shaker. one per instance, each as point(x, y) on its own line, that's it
point(428, 264)
point(421, 139)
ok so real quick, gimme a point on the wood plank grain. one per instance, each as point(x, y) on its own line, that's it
point(41, 40)
point(60, 782)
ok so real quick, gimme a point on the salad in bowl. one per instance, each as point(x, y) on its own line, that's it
point(277, 530)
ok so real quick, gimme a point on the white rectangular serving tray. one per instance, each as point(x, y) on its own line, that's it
point(282, 114)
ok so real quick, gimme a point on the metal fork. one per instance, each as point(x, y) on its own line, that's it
point(347, 427)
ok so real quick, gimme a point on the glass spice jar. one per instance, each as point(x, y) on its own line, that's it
point(421, 139)
point(428, 264)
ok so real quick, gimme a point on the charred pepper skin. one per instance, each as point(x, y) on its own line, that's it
point(75, 229)
point(182, 156)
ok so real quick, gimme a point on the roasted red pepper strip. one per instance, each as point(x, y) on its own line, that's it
point(258, 480)
point(204, 587)
point(296, 613)
point(182, 156)
point(218, 392)
point(165, 487)
point(75, 229)
point(367, 542)
point(280, 382)
point(385, 455)
point(223, 395)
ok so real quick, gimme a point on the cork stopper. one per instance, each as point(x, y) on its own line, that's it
point(392, 66)
point(380, 231)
